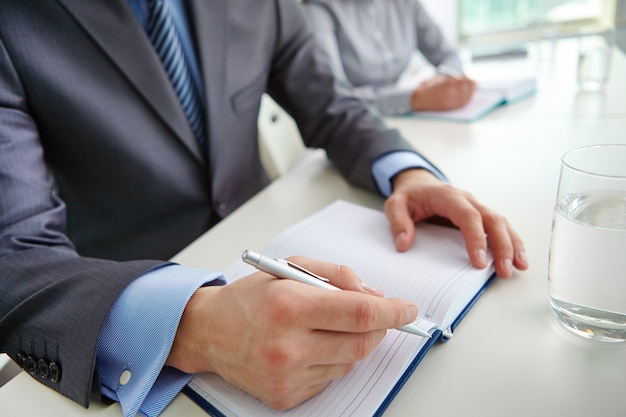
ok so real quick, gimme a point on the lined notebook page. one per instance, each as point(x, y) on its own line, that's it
point(435, 273)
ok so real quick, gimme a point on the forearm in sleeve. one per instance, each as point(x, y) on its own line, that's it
point(138, 334)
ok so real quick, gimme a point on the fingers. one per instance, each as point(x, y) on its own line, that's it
point(403, 210)
point(293, 389)
point(417, 197)
point(458, 92)
point(464, 89)
point(502, 246)
point(338, 311)
point(505, 244)
point(401, 222)
point(283, 390)
point(464, 84)
point(280, 399)
point(507, 248)
point(442, 93)
point(469, 220)
point(304, 337)
point(283, 353)
point(340, 276)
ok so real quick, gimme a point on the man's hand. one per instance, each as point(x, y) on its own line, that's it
point(283, 341)
point(418, 195)
point(443, 93)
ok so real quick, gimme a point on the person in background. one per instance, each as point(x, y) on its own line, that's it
point(127, 129)
point(371, 44)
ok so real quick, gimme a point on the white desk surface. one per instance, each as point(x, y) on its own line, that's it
point(509, 357)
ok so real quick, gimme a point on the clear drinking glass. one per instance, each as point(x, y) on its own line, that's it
point(587, 267)
point(594, 61)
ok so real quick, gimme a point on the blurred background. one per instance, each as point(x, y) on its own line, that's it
point(488, 27)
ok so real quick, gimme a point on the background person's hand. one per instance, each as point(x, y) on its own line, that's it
point(418, 195)
point(443, 93)
point(283, 341)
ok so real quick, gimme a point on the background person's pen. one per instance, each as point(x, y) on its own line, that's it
point(281, 268)
point(450, 72)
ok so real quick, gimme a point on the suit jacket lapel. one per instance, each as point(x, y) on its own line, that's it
point(115, 29)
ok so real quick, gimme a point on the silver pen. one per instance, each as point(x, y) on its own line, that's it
point(450, 72)
point(282, 268)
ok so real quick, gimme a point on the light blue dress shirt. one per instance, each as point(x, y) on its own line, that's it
point(138, 334)
point(139, 331)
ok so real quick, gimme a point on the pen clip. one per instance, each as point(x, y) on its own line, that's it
point(301, 269)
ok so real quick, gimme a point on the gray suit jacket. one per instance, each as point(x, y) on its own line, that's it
point(99, 169)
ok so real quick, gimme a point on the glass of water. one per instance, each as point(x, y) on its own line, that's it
point(587, 267)
point(594, 61)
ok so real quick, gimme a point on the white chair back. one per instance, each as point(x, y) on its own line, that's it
point(279, 139)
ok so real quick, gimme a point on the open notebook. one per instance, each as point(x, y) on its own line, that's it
point(435, 273)
point(489, 95)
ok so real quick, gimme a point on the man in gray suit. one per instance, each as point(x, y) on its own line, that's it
point(104, 175)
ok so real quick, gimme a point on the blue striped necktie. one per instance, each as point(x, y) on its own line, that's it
point(162, 33)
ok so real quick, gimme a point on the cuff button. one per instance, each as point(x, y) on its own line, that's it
point(125, 377)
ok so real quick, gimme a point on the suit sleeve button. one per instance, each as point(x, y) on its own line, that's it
point(21, 360)
point(43, 369)
point(30, 365)
point(55, 372)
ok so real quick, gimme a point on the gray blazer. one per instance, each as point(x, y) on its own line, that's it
point(99, 169)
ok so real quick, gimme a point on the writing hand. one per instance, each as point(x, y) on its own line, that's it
point(443, 93)
point(283, 341)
